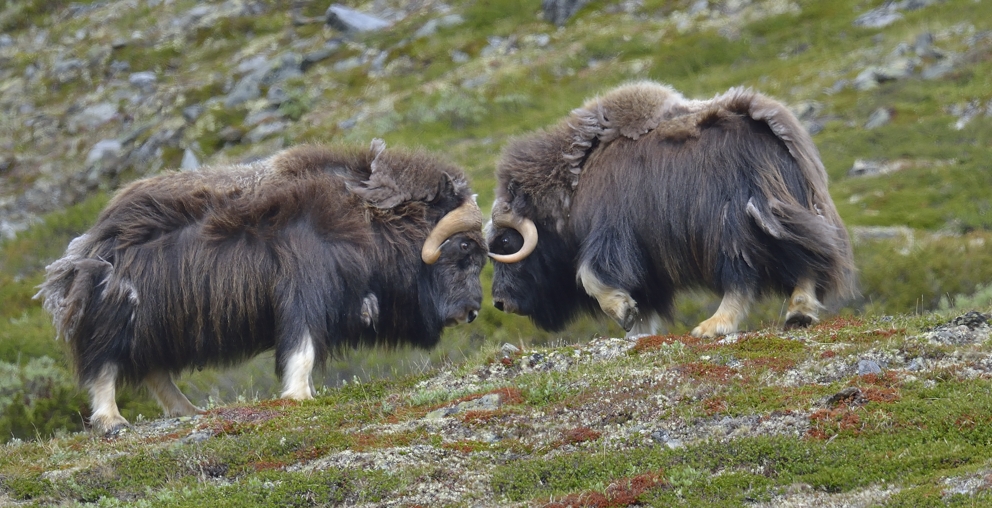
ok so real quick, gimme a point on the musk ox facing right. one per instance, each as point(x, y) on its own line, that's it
point(306, 251)
point(641, 193)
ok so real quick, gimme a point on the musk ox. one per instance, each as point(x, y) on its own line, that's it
point(308, 250)
point(641, 193)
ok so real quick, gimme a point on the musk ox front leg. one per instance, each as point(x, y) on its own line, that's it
point(296, 366)
point(168, 395)
point(804, 307)
point(728, 316)
point(616, 303)
point(103, 391)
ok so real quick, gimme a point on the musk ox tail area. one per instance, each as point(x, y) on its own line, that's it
point(69, 286)
point(814, 225)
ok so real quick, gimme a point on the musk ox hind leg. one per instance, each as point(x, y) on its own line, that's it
point(296, 367)
point(727, 317)
point(103, 392)
point(168, 395)
point(804, 307)
point(616, 303)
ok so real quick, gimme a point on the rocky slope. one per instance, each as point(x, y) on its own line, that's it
point(887, 411)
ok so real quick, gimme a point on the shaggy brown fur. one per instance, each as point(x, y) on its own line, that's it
point(303, 252)
point(651, 193)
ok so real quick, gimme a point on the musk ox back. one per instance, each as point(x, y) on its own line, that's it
point(641, 193)
point(311, 249)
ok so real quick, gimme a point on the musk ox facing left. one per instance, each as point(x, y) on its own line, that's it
point(308, 250)
point(641, 193)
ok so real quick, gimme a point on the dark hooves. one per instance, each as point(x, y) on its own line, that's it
point(798, 321)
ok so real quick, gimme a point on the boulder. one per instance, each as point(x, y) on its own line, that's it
point(349, 20)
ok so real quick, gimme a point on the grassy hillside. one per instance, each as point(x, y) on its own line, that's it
point(227, 81)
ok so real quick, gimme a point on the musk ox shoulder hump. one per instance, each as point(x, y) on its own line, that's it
point(384, 179)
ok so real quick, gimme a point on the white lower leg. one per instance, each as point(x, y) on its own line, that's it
point(296, 371)
point(103, 392)
point(728, 316)
point(168, 395)
point(804, 308)
point(616, 303)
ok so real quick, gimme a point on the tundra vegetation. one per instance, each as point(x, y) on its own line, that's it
point(887, 402)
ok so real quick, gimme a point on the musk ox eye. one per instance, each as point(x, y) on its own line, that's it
point(464, 246)
point(508, 242)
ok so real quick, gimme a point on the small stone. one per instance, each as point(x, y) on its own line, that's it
point(879, 118)
point(264, 130)
point(917, 364)
point(103, 149)
point(866, 367)
point(143, 80)
point(190, 162)
point(350, 20)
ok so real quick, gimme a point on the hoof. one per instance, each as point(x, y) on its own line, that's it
point(713, 328)
point(799, 320)
point(116, 431)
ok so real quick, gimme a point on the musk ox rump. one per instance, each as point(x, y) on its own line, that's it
point(311, 249)
point(641, 193)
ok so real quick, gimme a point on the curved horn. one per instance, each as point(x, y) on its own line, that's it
point(525, 227)
point(466, 217)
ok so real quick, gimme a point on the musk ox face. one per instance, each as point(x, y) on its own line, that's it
point(453, 281)
point(540, 286)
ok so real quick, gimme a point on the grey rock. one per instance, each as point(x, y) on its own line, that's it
point(66, 70)
point(916, 364)
point(257, 65)
point(276, 95)
point(866, 167)
point(230, 134)
point(879, 118)
point(94, 116)
point(6, 40)
point(144, 80)
point(488, 402)
point(459, 56)
point(924, 48)
point(325, 52)
point(866, 367)
point(878, 18)
point(190, 162)
point(661, 436)
point(119, 67)
point(288, 65)
point(938, 69)
point(559, 11)
point(897, 68)
point(347, 124)
point(349, 20)
point(260, 117)
point(198, 436)
point(246, 89)
point(972, 319)
point(191, 113)
point(264, 130)
point(851, 395)
point(347, 64)
point(430, 28)
point(104, 149)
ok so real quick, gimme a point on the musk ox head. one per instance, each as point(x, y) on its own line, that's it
point(452, 254)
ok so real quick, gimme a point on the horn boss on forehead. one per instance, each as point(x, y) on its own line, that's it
point(466, 217)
